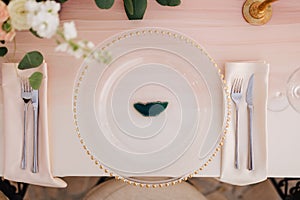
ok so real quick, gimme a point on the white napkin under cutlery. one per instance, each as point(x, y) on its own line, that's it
point(243, 176)
point(13, 131)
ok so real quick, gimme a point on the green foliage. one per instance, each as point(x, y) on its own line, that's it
point(6, 26)
point(34, 33)
point(31, 60)
point(135, 9)
point(104, 4)
point(169, 2)
point(35, 80)
point(61, 1)
point(138, 11)
point(128, 4)
point(151, 109)
point(3, 51)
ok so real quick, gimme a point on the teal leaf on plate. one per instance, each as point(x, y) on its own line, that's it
point(151, 109)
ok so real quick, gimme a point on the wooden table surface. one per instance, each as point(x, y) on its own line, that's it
point(217, 25)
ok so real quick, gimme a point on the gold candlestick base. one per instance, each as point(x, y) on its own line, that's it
point(257, 12)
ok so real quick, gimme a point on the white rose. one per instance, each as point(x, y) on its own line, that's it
point(32, 6)
point(43, 17)
point(50, 7)
point(18, 14)
point(45, 24)
point(70, 30)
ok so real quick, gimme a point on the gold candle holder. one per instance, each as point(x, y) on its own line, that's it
point(257, 12)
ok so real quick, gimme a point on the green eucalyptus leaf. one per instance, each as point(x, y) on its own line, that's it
point(139, 8)
point(61, 1)
point(169, 2)
point(6, 26)
point(150, 109)
point(35, 80)
point(104, 4)
point(129, 6)
point(34, 33)
point(3, 51)
point(31, 60)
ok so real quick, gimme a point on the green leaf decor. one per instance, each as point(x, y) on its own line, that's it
point(169, 2)
point(35, 80)
point(3, 51)
point(104, 4)
point(31, 60)
point(137, 10)
point(128, 4)
point(150, 109)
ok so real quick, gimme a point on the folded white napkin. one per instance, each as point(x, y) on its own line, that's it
point(243, 176)
point(13, 130)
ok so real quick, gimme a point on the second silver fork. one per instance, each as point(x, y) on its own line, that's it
point(26, 95)
point(236, 96)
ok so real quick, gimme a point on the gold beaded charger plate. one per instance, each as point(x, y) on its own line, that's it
point(158, 108)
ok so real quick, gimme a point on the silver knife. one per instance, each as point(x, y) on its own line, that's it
point(35, 105)
point(249, 100)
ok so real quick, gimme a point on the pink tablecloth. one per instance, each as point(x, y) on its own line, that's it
point(218, 26)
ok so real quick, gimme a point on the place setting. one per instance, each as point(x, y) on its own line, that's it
point(244, 155)
point(25, 124)
point(157, 109)
point(157, 112)
point(160, 108)
point(154, 97)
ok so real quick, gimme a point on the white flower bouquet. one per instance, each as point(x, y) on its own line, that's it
point(41, 17)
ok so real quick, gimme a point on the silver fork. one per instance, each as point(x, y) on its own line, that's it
point(26, 96)
point(236, 96)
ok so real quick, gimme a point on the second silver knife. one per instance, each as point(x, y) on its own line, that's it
point(249, 100)
point(35, 105)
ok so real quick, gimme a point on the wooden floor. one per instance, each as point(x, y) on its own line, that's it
point(211, 188)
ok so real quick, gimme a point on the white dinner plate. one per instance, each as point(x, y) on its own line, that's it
point(150, 66)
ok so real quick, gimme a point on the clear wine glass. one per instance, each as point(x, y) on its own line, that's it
point(277, 100)
point(293, 90)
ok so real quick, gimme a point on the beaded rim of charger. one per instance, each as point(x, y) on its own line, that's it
point(175, 180)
